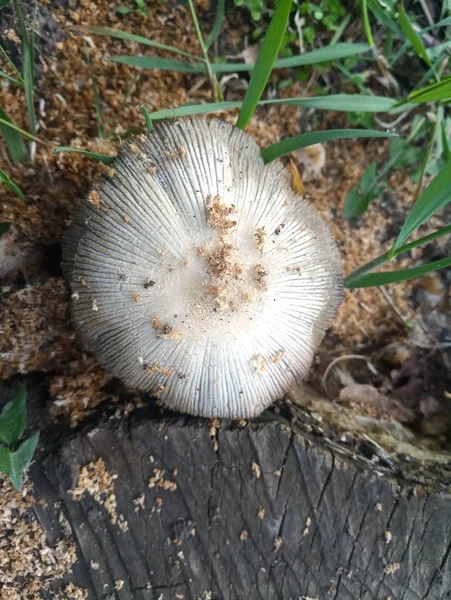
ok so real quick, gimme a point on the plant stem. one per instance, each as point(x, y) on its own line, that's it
point(213, 81)
point(367, 27)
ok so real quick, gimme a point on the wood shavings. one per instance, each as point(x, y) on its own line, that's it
point(94, 479)
point(392, 568)
point(35, 329)
point(74, 592)
point(306, 529)
point(218, 215)
point(261, 512)
point(278, 543)
point(260, 235)
point(95, 199)
point(259, 363)
point(158, 480)
point(27, 562)
point(244, 535)
point(79, 389)
point(154, 368)
point(156, 323)
point(256, 470)
point(173, 335)
point(276, 358)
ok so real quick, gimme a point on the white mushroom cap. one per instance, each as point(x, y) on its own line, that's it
point(199, 274)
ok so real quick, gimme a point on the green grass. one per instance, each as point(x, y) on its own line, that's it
point(265, 62)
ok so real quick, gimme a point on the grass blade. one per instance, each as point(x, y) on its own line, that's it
point(414, 38)
point(107, 160)
point(98, 109)
point(435, 196)
point(7, 181)
point(16, 146)
point(343, 102)
point(377, 279)
point(147, 118)
point(320, 55)
point(355, 276)
point(383, 16)
point(432, 93)
point(160, 64)
point(303, 140)
point(338, 102)
point(194, 109)
point(445, 142)
point(16, 81)
point(130, 37)
point(10, 63)
point(27, 65)
point(265, 61)
point(220, 11)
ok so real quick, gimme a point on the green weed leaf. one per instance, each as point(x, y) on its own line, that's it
point(15, 463)
point(16, 146)
point(4, 228)
point(361, 195)
point(403, 154)
point(13, 418)
point(7, 181)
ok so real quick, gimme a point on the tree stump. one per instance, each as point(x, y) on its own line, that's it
point(267, 509)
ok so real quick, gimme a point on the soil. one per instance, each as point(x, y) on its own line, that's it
point(391, 328)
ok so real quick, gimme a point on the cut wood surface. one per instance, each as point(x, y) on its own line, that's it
point(252, 511)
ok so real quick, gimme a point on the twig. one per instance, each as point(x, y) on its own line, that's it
point(393, 306)
point(335, 362)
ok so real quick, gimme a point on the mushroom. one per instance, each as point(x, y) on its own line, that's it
point(198, 274)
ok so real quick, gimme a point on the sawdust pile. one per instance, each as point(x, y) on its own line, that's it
point(28, 563)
